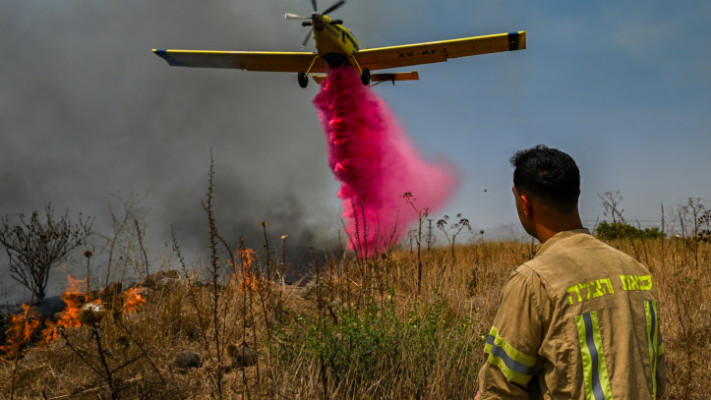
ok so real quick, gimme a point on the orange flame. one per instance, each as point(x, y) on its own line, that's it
point(22, 325)
point(20, 330)
point(132, 299)
point(249, 279)
point(73, 298)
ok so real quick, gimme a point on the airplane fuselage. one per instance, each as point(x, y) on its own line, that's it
point(334, 42)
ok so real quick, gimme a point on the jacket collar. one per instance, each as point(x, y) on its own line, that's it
point(559, 236)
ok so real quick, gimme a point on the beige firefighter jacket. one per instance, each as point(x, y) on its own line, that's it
point(579, 321)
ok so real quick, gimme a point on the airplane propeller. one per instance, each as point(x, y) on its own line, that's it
point(316, 17)
point(306, 39)
point(295, 16)
point(333, 7)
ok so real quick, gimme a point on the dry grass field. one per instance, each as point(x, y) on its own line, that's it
point(404, 326)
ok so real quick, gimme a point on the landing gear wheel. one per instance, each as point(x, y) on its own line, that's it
point(303, 79)
point(365, 76)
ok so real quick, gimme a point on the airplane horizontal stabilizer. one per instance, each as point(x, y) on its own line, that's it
point(386, 77)
point(395, 76)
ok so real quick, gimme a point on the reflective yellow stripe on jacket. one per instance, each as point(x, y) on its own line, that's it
point(516, 366)
point(597, 381)
point(654, 336)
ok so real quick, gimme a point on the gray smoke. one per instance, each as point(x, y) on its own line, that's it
point(88, 115)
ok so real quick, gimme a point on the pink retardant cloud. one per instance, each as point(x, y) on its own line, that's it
point(376, 164)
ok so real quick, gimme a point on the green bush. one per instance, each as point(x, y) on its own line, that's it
point(621, 230)
point(371, 345)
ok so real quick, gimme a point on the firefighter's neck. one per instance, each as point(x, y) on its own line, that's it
point(546, 221)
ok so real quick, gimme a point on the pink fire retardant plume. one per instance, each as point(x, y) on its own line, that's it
point(376, 164)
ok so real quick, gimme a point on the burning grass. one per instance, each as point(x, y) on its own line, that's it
point(69, 318)
point(25, 326)
point(358, 329)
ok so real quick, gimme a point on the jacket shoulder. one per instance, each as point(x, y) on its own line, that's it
point(581, 258)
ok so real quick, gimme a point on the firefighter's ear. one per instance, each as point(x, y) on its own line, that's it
point(523, 204)
point(526, 207)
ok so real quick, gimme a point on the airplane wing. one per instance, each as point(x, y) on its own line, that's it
point(246, 60)
point(433, 52)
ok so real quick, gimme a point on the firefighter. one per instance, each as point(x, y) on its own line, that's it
point(581, 319)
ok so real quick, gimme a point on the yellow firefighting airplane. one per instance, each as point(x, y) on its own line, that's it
point(336, 45)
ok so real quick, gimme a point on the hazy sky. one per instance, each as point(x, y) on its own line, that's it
point(89, 115)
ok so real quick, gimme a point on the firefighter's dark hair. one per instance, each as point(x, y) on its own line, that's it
point(548, 174)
